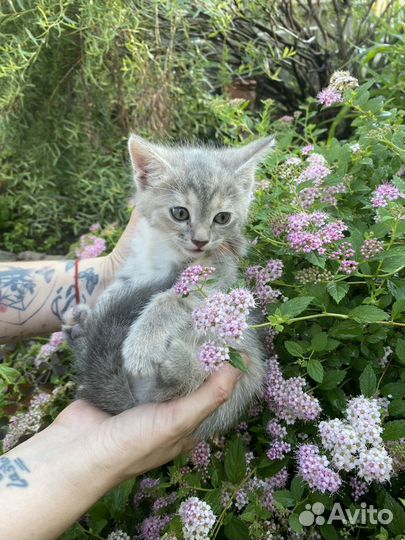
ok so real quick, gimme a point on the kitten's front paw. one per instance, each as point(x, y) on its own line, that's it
point(74, 319)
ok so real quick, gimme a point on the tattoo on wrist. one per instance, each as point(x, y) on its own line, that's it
point(66, 296)
point(19, 288)
point(12, 472)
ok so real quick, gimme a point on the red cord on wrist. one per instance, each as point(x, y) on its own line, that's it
point(77, 281)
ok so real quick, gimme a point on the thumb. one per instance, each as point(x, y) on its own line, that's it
point(218, 388)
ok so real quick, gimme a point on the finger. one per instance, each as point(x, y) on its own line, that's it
point(193, 409)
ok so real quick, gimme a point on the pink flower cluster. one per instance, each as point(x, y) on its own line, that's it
point(55, 342)
point(163, 502)
point(30, 421)
point(190, 277)
point(329, 96)
point(310, 232)
point(359, 488)
point(223, 316)
point(371, 248)
point(314, 469)
point(197, 518)
point(316, 172)
point(152, 527)
point(262, 277)
point(90, 246)
point(384, 194)
point(344, 254)
point(266, 486)
point(307, 149)
point(278, 448)
point(286, 397)
point(356, 443)
point(339, 81)
point(201, 456)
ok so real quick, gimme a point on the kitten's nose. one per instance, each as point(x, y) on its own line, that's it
point(200, 243)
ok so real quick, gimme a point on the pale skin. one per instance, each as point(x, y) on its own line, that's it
point(63, 470)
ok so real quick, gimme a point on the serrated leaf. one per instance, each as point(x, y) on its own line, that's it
point(213, 498)
point(394, 430)
point(295, 306)
point(396, 390)
point(294, 523)
point(236, 360)
point(397, 407)
point(368, 381)
point(397, 525)
point(400, 350)
point(393, 264)
point(315, 370)
point(332, 378)
point(8, 373)
point(297, 488)
point(329, 532)
point(235, 463)
point(319, 341)
point(294, 348)
point(337, 290)
point(398, 307)
point(368, 314)
point(284, 498)
point(235, 529)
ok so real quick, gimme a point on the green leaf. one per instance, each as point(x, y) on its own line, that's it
point(284, 498)
point(397, 407)
point(319, 341)
point(213, 498)
point(368, 381)
point(235, 464)
point(294, 523)
point(395, 389)
point(332, 378)
point(400, 350)
point(294, 348)
point(297, 488)
point(393, 264)
point(398, 307)
point(235, 529)
point(394, 430)
point(236, 360)
point(315, 370)
point(9, 374)
point(337, 290)
point(397, 525)
point(368, 314)
point(329, 532)
point(295, 306)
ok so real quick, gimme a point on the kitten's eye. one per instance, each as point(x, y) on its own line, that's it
point(222, 218)
point(179, 213)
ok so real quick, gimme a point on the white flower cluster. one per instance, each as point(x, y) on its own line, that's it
point(197, 518)
point(356, 443)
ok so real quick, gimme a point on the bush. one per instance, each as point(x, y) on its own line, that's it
point(331, 216)
point(76, 78)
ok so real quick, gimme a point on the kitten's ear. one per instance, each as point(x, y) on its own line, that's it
point(250, 155)
point(148, 161)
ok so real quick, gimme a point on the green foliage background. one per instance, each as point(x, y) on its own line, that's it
point(77, 76)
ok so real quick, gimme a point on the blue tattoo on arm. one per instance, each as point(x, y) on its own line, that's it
point(19, 288)
point(12, 472)
point(64, 299)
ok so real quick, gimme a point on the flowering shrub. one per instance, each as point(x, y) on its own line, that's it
point(326, 269)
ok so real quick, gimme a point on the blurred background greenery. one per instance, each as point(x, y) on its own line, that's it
point(76, 76)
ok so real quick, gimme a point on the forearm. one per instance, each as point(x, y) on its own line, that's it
point(51, 487)
point(35, 295)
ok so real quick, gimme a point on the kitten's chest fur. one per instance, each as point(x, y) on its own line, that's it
point(151, 259)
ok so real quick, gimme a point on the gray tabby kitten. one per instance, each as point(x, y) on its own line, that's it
point(138, 344)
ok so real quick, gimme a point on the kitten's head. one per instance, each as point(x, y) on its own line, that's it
point(197, 197)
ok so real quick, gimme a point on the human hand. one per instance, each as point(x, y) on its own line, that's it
point(145, 437)
point(116, 259)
